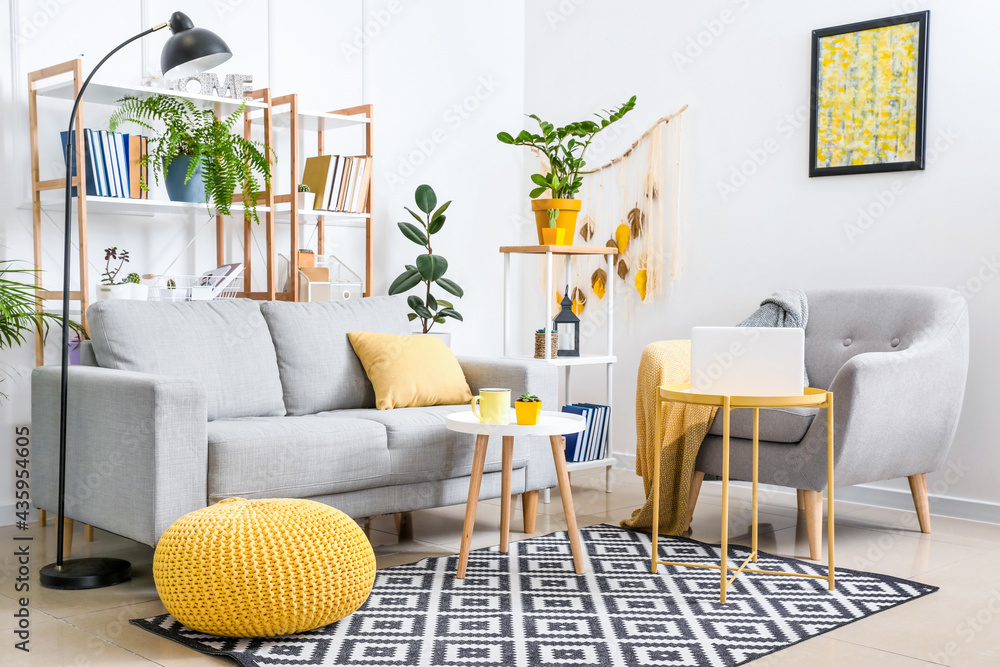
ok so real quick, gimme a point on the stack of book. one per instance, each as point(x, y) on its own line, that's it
point(590, 444)
point(340, 182)
point(113, 163)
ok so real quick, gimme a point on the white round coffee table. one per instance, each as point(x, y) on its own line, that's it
point(553, 424)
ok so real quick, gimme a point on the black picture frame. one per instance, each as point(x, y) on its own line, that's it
point(922, 19)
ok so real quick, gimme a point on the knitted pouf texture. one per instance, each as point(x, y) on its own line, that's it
point(259, 568)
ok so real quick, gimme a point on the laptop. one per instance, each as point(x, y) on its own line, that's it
point(747, 361)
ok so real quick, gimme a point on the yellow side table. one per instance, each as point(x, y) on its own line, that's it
point(810, 398)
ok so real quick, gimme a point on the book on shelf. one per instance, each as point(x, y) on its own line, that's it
point(317, 175)
point(361, 191)
point(341, 182)
point(113, 163)
point(590, 444)
point(88, 151)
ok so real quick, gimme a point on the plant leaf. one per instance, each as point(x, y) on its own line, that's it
point(414, 301)
point(406, 281)
point(446, 304)
point(411, 316)
point(436, 225)
point(450, 287)
point(538, 179)
point(441, 210)
point(537, 192)
point(415, 216)
point(451, 312)
point(414, 233)
point(425, 198)
point(505, 137)
point(431, 267)
point(432, 302)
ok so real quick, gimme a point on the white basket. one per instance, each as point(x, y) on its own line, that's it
point(195, 288)
point(344, 284)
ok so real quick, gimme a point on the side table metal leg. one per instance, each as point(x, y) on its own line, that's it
point(829, 486)
point(508, 463)
point(656, 483)
point(566, 491)
point(756, 432)
point(723, 569)
point(478, 461)
point(546, 496)
point(609, 480)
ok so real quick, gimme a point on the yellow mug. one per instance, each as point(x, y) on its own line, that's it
point(494, 406)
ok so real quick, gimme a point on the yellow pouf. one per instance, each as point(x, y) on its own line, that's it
point(258, 568)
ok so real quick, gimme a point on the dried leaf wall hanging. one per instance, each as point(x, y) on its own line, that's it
point(622, 236)
point(624, 265)
point(637, 222)
point(611, 244)
point(587, 228)
point(599, 281)
point(640, 283)
point(579, 301)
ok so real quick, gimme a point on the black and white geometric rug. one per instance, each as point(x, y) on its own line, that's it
point(529, 608)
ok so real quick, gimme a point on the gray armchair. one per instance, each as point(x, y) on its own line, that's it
point(896, 360)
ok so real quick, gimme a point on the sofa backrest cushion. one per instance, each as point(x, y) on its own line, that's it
point(223, 343)
point(844, 323)
point(319, 370)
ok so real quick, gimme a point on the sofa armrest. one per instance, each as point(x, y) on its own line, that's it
point(137, 454)
point(895, 413)
point(521, 376)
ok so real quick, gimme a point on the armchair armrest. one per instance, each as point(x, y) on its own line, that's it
point(521, 376)
point(137, 455)
point(895, 413)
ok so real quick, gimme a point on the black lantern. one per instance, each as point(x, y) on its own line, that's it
point(567, 325)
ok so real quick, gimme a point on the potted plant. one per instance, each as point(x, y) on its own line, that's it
point(527, 407)
point(20, 310)
point(564, 148)
point(304, 199)
point(429, 268)
point(199, 156)
point(540, 344)
point(110, 287)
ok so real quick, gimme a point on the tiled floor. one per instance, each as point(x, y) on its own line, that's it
point(959, 625)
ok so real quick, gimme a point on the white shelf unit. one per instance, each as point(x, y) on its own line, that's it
point(141, 207)
point(607, 359)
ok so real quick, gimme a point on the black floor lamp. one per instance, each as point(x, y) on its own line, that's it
point(188, 51)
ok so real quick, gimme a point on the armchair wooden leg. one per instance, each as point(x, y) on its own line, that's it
point(696, 481)
point(918, 488)
point(42, 517)
point(800, 502)
point(529, 509)
point(88, 533)
point(404, 525)
point(813, 501)
point(67, 537)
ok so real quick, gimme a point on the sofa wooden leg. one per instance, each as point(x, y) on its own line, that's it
point(918, 488)
point(813, 502)
point(88, 533)
point(529, 509)
point(696, 481)
point(404, 525)
point(67, 538)
point(800, 502)
point(42, 518)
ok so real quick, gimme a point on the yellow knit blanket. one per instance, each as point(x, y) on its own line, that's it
point(684, 427)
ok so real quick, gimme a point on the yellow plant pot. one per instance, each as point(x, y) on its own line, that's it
point(553, 236)
point(527, 413)
point(568, 210)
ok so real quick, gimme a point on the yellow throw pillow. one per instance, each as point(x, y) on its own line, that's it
point(410, 371)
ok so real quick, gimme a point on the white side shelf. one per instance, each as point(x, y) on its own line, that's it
point(311, 121)
point(588, 465)
point(330, 218)
point(584, 360)
point(103, 93)
point(141, 207)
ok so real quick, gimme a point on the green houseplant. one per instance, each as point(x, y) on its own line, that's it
point(194, 146)
point(429, 268)
point(564, 149)
point(20, 310)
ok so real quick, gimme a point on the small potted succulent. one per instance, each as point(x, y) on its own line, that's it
point(527, 407)
point(304, 199)
point(540, 344)
point(112, 288)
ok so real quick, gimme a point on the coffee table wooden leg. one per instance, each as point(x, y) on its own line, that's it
point(724, 572)
point(508, 471)
point(559, 457)
point(475, 481)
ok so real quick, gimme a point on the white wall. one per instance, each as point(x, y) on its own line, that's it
point(780, 228)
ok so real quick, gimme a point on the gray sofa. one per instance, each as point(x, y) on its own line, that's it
point(183, 404)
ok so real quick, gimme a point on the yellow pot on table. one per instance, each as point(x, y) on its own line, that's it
point(527, 412)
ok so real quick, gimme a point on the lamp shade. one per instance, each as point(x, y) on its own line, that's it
point(190, 50)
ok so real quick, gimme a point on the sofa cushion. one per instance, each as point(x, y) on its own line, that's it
point(294, 457)
point(318, 368)
point(788, 425)
point(421, 448)
point(224, 344)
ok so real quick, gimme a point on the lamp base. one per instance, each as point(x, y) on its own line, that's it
point(85, 573)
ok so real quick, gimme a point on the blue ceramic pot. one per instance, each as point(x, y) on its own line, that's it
point(177, 189)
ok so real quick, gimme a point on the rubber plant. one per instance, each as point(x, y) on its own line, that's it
point(228, 161)
point(429, 268)
point(20, 310)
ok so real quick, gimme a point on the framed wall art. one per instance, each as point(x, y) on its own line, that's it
point(869, 96)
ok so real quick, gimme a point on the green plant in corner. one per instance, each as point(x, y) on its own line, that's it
point(133, 278)
point(303, 187)
point(20, 309)
point(429, 268)
point(228, 161)
point(564, 149)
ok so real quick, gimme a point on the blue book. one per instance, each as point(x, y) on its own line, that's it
point(120, 142)
point(574, 441)
point(588, 442)
point(112, 161)
point(597, 442)
point(604, 421)
point(87, 151)
point(97, 155)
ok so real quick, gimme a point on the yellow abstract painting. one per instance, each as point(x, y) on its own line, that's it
point(867, 97)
